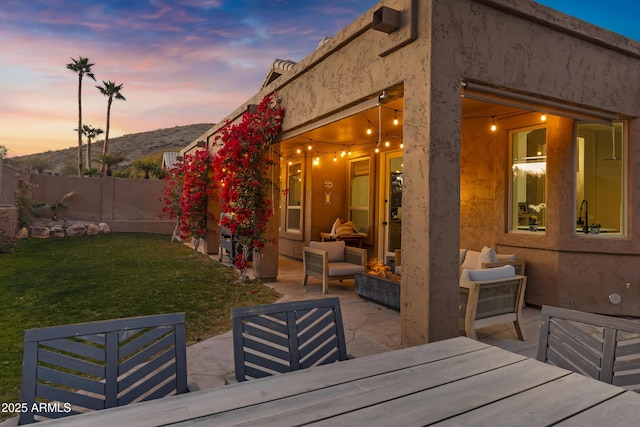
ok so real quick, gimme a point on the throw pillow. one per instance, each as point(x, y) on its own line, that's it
point(336, 224)
point(487, 255)
point(472, 260)
point(463, 254)
point(346, 228)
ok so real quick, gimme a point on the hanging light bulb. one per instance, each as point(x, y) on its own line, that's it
point(298, 151)
point(335, 158)
point(349, 152)
point(377, 150)
point(369, 131)
point(493, 123)
point(387, 143)
point(401, 145)
point(290, 162)
point(344, 153)
point(395, 117)
point(309, 147)
point(543, 117)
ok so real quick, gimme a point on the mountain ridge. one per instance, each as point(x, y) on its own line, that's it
point(130, 146)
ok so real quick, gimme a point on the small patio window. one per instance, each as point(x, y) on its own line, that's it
point(293, 218)
point(529, 179)
point(600, 178)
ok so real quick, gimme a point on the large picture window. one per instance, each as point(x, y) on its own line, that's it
point(600, 178)
point(293, 219)
point(529, 179)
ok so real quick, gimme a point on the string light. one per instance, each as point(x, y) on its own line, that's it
point(344, 153)
point(298, 151)
point(543, 117)
point(395, 117)
point(386, 144)
point(335, 158)
point(309, 147)
point(493, 123)
point(377, 150)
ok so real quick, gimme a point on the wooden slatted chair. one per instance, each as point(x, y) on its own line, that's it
point(99, 365)
point(491, 297)
point(283, 337)
point(332, 261)
point(601, 347)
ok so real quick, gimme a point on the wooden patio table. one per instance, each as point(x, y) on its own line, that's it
point(453, 382)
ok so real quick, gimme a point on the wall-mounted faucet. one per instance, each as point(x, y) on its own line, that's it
point(585, 224)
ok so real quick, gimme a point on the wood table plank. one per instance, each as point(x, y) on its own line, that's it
point(456, 397)
point(543, 405)
point(620, 411)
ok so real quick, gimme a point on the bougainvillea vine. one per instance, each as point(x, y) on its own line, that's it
point(241, 168)
point(187, 190)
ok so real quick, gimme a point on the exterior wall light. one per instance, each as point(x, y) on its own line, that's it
point(386, 20)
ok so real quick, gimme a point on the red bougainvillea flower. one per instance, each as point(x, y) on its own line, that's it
point(186, 193)
point(242, 168)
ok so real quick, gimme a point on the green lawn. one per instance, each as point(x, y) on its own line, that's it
point(48, 282)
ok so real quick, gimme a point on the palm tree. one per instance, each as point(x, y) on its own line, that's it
point(110, 90)
point(81, 66)
point(90, 132)
point(108, 160)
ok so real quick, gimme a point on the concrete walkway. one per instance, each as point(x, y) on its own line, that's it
point(369, 328)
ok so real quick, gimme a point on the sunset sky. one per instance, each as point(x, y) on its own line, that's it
point(181, 61)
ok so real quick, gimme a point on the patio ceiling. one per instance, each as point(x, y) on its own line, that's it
point(351, 132)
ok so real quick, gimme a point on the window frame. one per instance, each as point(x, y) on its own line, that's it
point(624, 147)
point(513, 206)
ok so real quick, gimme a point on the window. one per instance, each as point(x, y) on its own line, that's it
point(600, 178)
point(529, 182)
point(293, 217)
point(359, 194)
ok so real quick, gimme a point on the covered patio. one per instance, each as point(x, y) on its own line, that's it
point(369, 328)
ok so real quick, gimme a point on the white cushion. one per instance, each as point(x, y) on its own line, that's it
point(472, 260)
point(335, 249)
point(488, 274)
point(463, 254)
point(487, 255)
point(506, 257)
point(344, 268)
point(335, 227)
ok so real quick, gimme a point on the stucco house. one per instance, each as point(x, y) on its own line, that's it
point(485, 116)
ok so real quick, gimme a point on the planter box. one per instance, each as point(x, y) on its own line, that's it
point(379, 290)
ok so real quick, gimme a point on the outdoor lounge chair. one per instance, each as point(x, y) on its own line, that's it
point(491, 297)
point(99, 365)
point(283, 337)
point(332, 261)
point(601, 347)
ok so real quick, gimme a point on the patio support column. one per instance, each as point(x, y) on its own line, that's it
point(431, 208)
